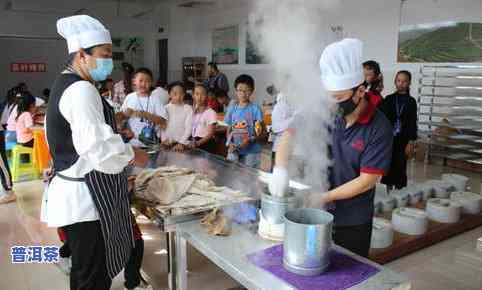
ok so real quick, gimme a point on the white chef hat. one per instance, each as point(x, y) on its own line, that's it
point(341, 65)
point(82, 31)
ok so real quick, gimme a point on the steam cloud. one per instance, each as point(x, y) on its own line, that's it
point(291, 35)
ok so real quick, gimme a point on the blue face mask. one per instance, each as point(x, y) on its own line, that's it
point(103, 70)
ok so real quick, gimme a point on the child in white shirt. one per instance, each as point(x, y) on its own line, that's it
point(142, 109)
point(179, 115)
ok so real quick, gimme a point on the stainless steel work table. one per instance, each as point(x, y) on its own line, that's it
point(223, 173)
point(229, 253)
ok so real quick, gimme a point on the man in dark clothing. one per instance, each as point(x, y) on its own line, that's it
point(401, 110)
point(217, 80)
point(360, 148)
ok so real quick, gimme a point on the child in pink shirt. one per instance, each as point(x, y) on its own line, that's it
point(24, 123)
point(204, 121)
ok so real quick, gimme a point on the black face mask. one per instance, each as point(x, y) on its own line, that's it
point(347, 107)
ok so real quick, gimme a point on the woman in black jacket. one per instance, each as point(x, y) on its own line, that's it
point(401, 110)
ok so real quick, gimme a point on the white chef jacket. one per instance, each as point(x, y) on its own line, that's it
point(69, 202)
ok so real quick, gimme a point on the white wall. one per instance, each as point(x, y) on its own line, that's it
point(194, 38)
point(375, 22)
point(44, 26)
point(31, 50)
point(188, 30)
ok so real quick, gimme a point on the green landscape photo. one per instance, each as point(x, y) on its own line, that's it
point(445, 42)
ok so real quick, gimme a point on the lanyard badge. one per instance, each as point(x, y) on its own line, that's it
point(397, 127)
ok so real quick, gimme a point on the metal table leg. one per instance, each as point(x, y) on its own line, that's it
point(181, 262)
point(172, 269)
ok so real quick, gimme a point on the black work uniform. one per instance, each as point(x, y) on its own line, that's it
point(364, 147)
point(401, 109)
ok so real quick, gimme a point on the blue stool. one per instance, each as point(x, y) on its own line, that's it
point(9, 145)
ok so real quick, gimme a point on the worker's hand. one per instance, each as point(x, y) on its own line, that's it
point(47, 174)
point(409, 150)
point(141, 158)
point(317, 200)
point(278, 184)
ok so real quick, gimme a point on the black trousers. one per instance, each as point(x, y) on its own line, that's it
point(354, 238)
point(132, 273)
point(5, 173)
point(89, 271)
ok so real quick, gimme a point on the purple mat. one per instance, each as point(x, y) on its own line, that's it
point(343, 273)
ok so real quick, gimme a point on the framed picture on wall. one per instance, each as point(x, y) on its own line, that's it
point(438, 37)
point(128, 49)
point(225, 44)
point(253, 53)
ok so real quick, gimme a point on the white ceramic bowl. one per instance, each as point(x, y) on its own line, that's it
point(382, 233)
point(459, 181)
point(410, 221)
point(443, 210)
point(471, 202)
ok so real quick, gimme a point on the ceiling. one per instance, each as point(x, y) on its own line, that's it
point(129, 7)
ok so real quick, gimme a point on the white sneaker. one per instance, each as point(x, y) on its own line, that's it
point(65, 265)
point(7, 198)
point(142, 287)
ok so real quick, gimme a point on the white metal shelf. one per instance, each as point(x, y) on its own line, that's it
point(453, 93)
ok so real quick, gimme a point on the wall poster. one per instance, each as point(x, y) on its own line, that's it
point(436, 37)
point(128, 49)
point(226, 45)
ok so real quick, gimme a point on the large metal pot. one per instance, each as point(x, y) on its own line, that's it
point(274, 208)
point(307, 241)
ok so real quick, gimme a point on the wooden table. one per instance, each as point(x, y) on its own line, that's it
point(405, 244)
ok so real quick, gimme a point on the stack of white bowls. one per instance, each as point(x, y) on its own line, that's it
point(443, 210)
point(382, 233)
point(459, 181)
point(410, 221)
point(471, 202)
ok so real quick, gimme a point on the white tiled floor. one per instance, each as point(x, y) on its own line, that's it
point(452, 264)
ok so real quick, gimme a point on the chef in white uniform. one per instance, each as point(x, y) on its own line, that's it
point(87, 196)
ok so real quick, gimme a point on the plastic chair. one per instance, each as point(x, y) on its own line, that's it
point(41, 150)
point(23, 170)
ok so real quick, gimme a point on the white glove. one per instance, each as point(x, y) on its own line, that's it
point(278, 184)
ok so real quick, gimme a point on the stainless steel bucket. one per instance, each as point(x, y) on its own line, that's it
point(274, 208)
point(307, 241)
